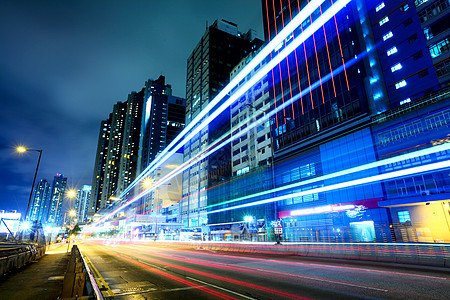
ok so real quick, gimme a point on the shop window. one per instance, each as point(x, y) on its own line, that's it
point(403, 216)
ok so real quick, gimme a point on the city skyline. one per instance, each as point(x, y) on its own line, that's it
point(74, 56)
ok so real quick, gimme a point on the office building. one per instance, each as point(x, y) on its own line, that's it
point(208, 70)
point(373, 87)
point(251, 156)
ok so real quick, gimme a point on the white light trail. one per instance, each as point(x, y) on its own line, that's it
point(173, 147)
point(351, 183)
point(380, 163)
point(289, 28)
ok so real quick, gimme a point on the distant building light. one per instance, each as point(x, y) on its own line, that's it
point(400, 84)
point(396, 67)
point(379, 7)
point(388, 35)
point(392, 51)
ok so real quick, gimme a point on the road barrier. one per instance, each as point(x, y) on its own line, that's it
point(15, 255)
point(79, 282)
point(437, 255)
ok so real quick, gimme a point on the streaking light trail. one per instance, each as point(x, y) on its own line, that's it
point(366, 180)
point(227, 139)
point(368, 166)
point(173, 147)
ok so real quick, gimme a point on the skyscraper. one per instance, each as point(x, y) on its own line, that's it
point(113, 153)
point(130, 145)
point(82, 204)
point(345, 98)
point(100, 166)
point(162, 120)
point(208, 70)
point(40, 202)
point(412, 42)
point(56, 199)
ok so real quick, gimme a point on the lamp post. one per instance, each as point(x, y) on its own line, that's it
point(148, 183)
point(157, 206)
point(69, 194)
point(23, 149)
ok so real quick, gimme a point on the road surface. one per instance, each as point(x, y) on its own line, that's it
point(144, 270)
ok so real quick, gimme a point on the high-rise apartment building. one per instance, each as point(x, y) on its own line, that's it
point(133, 135)
point(162, 120)
point(208, 70)
point(40, 202)
point(113, 155)
point(130, 145)
point(100, 166)
point(82, 203)
point(57, 197)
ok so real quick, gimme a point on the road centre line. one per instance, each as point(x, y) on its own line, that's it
point(221, 288)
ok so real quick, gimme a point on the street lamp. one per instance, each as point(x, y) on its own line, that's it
point(21, 150)
point(157, 207)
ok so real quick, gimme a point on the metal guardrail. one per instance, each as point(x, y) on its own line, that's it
point(437, 255)
point(79, 282)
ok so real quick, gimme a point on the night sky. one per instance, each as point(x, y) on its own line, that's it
point(63, 65)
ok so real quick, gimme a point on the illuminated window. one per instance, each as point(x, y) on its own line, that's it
point(383, 21)
point(428, 34)
point(400, 84)
point(392, 51)
point(387, 35)
point(379, 7)
point(403, 216)
point(396, 67)
point(407, 100)
point(419, 2)
point(439, 48)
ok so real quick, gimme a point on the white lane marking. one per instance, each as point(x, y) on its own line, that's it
point(289, 274)
point(300, 276)
point(328, 280)
point(221, 288)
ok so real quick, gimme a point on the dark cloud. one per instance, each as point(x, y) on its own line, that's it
point(63, 64)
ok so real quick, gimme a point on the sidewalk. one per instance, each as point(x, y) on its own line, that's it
point(40, 280)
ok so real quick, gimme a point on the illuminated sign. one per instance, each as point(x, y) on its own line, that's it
point(321, 210)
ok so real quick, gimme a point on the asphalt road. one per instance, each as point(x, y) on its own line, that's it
point(142, 270)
